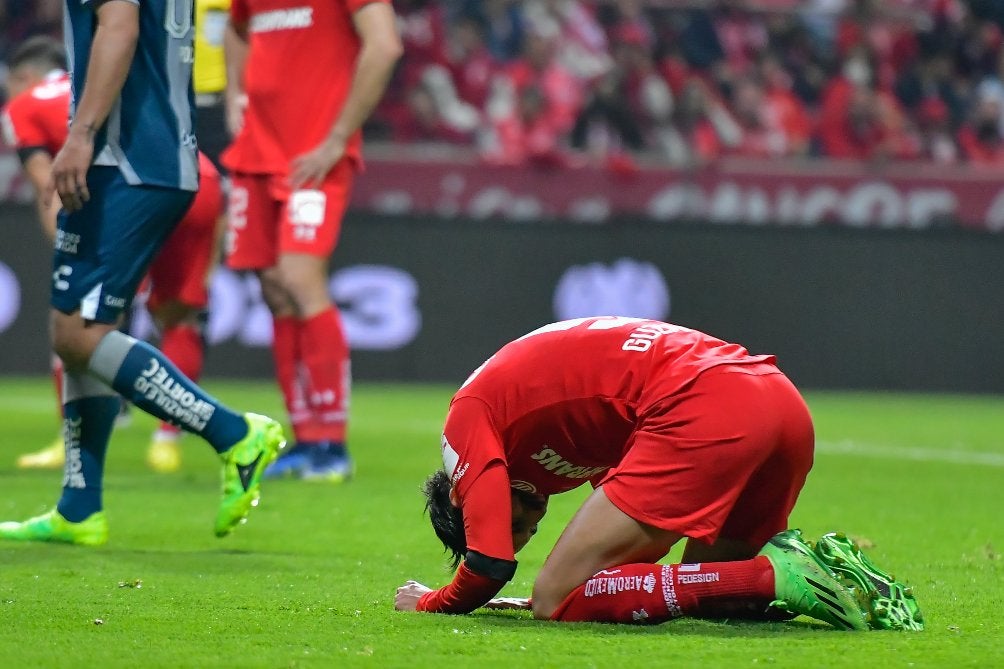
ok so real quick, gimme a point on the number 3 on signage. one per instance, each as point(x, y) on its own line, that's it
point(178, 18)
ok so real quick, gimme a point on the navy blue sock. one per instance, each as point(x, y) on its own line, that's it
point(144, 376)
point(89, 415)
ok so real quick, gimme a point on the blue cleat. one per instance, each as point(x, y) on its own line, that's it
point(330, 461)
point(290, 463)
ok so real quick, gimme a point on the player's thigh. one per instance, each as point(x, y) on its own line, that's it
point(180, 271)
point(763, 506)
point(104, 249)
point(312, 218)
point(693, 455)
point(253, 218)
point(598, 537)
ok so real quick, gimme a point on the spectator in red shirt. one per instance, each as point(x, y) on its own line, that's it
point(980, 137)
point(533, 107)
point(857, 121)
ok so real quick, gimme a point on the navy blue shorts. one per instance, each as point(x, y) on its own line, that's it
point(103, 250)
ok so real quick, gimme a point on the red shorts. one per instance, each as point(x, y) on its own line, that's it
point(180, 270)
point(726, 457)
point(266, 219)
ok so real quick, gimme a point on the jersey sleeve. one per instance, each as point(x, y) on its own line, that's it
point(239, 11)
point(473, 456)
point(21, 128)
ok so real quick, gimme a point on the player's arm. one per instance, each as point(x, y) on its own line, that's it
point(23, 132)
point(235, 51)
point(111, 55)
point(37, 167)
point(489, 563)
point(480, 488)
point(380, 49)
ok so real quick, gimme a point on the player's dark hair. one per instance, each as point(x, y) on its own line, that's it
point(447, 520)
point(42, 51)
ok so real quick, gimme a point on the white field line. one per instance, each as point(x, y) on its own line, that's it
point(976, 458)
point(851, 448)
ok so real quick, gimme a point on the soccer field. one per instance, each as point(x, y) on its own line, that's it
point(309, 581)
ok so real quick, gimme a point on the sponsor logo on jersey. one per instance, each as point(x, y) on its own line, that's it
point(293, 18)
point(557, 465)
point(524, 486)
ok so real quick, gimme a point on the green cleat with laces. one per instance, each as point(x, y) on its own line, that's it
point(243, 466)
point(52, 526)
point(889, 605)
point(803, 585)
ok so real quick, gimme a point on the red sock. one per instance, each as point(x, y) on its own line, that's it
point(56, 366)
point(325, 355)
point(183, 345)
point(654, 593)
point(286, 354)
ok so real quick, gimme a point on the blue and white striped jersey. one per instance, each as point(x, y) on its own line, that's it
point(149, 133)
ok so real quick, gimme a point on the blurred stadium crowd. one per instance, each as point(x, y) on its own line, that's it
point(560, 82)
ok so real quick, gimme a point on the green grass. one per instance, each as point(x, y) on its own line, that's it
point(309, 581)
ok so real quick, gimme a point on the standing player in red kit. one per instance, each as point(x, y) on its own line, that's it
point(302, 77)
point(682, 436)
point(35, 124)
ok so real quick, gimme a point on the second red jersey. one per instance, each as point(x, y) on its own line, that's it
point(558, 405)
point(39, 117)
point(301, 62)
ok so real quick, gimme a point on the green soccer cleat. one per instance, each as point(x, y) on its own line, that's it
point(889, 605)
point(243, 466)
point(803, 584)
point(51, 526)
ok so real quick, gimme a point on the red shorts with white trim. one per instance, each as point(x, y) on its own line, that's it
point(726, 457)
point(180, 270)
point(267, 219)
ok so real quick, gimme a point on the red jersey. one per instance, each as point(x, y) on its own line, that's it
point(557, 407)
point(39, 117)
point(301, 62)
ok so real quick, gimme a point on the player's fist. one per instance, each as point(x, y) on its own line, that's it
point(408, 595)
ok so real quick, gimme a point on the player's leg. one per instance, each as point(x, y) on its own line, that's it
point(687, 466)
point(253, 216)
point(94, 282)
point(179, 297)
point(309, 229)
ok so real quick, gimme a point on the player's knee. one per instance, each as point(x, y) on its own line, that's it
point(71, 347)
point(545, 601)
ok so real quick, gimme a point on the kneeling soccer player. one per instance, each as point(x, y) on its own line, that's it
point(682, 436)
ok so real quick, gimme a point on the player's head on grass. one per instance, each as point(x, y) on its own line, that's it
point(32, 60)
point(448, 519)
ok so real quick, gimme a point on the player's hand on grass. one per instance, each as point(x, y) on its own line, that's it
point(408, 595)
point(69, 169)
point(310, 169)
point(504, 603)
